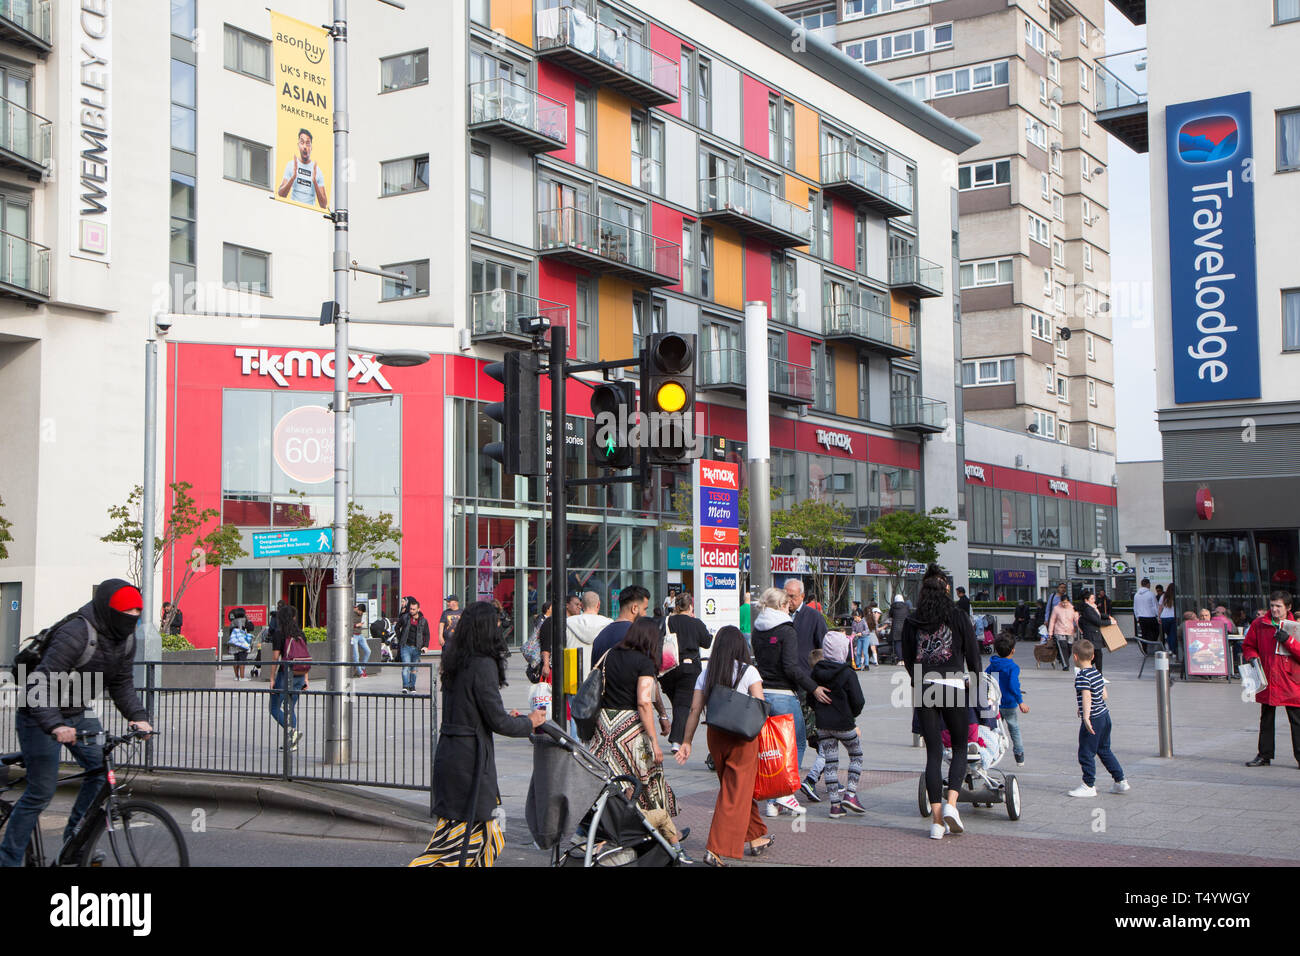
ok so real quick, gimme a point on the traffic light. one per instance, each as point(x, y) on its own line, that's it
point(613, 408)
point(668, 396)
point(519, 450)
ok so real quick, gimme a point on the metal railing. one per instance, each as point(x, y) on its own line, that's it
point(501, 100)
point(913, 410)
point(847, 318)
point(725, 368)
point(577, 229)
point(913, 270)
point(787, 378)
point(571, 27)
point(722, 367)
point(24, 132)
point(730, 194)
point(497, 312)
point(31, 15)
point(1121, 80)
point(24, 264)
point(849, 167)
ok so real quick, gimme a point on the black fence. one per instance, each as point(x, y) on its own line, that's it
point(213, 724)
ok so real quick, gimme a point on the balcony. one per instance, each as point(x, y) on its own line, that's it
point(875, 330)
point(916, 414)
point(723, 370)
point(24, 269)
point(1122, 98)
point(26, 23)
point(24, 140)
point(863, 183)
point(576, 41)
point(589, 242)
point(755, 212)
point(916, 276)
point(1135, 10)
point(513, 112)
point(495, 315)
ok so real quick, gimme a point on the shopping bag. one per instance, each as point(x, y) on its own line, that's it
point(539, 698)
point(1113, 637)
point(1253, 679)
point(778, 761)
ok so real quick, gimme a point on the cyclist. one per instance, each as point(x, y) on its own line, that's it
point(113, 614)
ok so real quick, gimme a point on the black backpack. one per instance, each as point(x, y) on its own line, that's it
point(32, 650)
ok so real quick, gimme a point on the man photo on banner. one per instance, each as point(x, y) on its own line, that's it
point(303, 176)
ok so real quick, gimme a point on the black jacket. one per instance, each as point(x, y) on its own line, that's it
point(471, 712)
point(413, 633)
point(691, 635)
point(965, 649)
point(846, 696)
point(110, 659)
point(776, 655)
point(1090, 622)
point(898, 612)
point(811, 628)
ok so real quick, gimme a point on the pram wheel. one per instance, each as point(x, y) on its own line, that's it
point(923, 798)
point(1012, 796)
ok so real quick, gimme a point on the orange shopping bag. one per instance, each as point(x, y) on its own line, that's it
point(778, 761)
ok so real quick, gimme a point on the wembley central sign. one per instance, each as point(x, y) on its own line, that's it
point(299, 364)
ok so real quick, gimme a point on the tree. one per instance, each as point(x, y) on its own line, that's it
point(820, 527)
point(905, 537)
point(222, 545)
point(315, 565)
point(5, 533)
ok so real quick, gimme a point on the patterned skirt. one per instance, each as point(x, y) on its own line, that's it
point(622, 743)
point(446, 846)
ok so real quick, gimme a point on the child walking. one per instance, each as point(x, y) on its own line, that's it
point(836, 721)
point(1094, 731)
point(1013, 705)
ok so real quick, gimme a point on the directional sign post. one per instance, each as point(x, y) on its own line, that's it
point(716, 519)
point(275, 544)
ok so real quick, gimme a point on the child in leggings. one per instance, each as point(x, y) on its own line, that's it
point(836, 721)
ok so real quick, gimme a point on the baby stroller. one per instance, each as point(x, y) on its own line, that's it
point(568, 780)
point(988, 742)
point(983, 624)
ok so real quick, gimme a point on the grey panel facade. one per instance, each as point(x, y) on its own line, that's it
point(970, 104)
point(984, 300)
point(989, 396)
point(726, 103)
point(681, 148)
point(985, 200)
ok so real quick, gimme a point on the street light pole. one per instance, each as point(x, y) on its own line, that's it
point(148, 643)
point(760, 448)
point(559, 529)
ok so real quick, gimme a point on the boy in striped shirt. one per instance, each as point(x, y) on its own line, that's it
point(1094, 732)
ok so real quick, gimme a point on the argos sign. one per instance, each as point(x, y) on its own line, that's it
point(1213, 299)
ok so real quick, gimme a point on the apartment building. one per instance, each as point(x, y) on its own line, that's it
point(620, 169)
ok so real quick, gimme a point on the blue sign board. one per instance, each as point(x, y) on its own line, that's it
point(275, 544)
point(713, 579)
point(719, 508)
point(1213, 299)
point(1014, 577)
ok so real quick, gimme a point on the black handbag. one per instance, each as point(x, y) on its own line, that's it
point(735, 712)
point(584, 704)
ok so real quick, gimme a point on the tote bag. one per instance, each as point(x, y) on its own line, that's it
point(778, 763)
point(736, 712)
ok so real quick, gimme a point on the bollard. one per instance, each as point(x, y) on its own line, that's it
point(1164, 714)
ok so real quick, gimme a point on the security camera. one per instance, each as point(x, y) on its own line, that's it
point(163, 323)
point(534, 324)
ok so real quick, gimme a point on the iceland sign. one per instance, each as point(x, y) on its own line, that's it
point(1213, 300)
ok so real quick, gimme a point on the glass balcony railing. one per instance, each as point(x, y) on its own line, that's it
point(502, 101)
point(495, 314)
point(788, 380)
point(1121, 80)
point(24, 133)
point(722, 368)
point(594, 237)
point(572, 28)
point(725, 368)
point(24, 264)
point(859, 321)
point(917, 413)
point(727, 194)
point(33, 16)
point(849, 168)
point(920, 275)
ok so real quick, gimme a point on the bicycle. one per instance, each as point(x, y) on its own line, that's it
point(113, 832)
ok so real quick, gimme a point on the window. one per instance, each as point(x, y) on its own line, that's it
point(478, 186)
point(1085, 167)
point(706, 263)
point(247, 54)
point(1083, 31)
point(1047, 283)
point(404, 71)
point(860, 244)
point(183, 102)
point(984, 175)
point(1036, 37)
point(704, 94)
point(1039, 230)
point(1056, 157)
point(942, 36)
point(893, 46)
point(1049, 379)
point(1090, 341)
point(773, 126)
point(1035, 132)
point(1085, 130)
point(988, 372)
point(1058, 252)
point(988, 272)
point(1045, 184)
point(787, 135)
point(815, 18)
point(685, 74)
point(1085, 76)
point(479, 12)
point(784, 289)
point(417, 280)
point(648, 154)
point(823, 237)
point(1044, 424)
point(966, 79)
point(1063, 388)
point(1088, 302)
point(182, 228)
point(1040, 326)
point(1063, 433)
point(1092, 392)
point(247, 162)
point(1058, 209)
point(780, 131)
point(582, 128)
point(412, 174)
point(1059, 299)
point(1092, 437)
point(1054, 25)
point(183, 18)
point(688, 257)
point(1288, 140)
point(1054, 69)
point(247, 269)
point(1042, 90)
point(864, 389)
point(584, 330)
point(917, 86)
point(1054, 109)
point(1086, 212)
point(1291, 320)
point(823, 383)
point(1286, 11)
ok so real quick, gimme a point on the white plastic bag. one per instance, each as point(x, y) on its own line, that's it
point(539, 698)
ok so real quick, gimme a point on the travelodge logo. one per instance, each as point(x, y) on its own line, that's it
point(975, 471)
point(835, 440)
point(1056, 486)
point(723, 477)
point(298, 364)
point(1208, 139)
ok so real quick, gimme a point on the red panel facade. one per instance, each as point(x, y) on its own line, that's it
point(843, 250)
point(755, 98)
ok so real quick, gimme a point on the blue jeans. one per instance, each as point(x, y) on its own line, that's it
point(41, 755)
point(783, 703)
point(284, 704)
point(860, 644)
point(1169, 628)
point(1097, 744)
point(1012, 716)
point(360, 651)
point(410, 655)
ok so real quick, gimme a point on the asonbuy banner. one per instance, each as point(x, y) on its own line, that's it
point(304, 134)
point(1213, 301)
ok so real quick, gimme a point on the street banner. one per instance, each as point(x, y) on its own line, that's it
point(304, 134)
point(716, 511)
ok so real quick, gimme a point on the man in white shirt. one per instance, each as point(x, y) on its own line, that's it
point(304, 177)
point(1146, 612)
point(583, 628)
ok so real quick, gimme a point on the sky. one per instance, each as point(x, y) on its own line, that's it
point(1137, 437)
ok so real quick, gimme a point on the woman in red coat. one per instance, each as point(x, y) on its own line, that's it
point(1279, 655)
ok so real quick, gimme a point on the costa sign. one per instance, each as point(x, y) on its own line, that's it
point(830, 439)
point(299, 364)
point(976, 472)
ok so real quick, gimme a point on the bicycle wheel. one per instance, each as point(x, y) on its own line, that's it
point(142, 834)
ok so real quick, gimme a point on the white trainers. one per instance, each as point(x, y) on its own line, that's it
point(1120, 786)
point(1083, 790)
point(952, 819)
point(771, 810)
point(791, 805)
point(937, 830)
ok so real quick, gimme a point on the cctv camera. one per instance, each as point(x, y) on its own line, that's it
point(163, 323)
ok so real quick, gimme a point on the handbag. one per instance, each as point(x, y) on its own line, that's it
point(672, 654)
point(586, 701)
point(778, 764)
point(736, 712)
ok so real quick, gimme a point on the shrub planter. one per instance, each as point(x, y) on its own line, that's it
point(185, 675)
point(319, 651)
